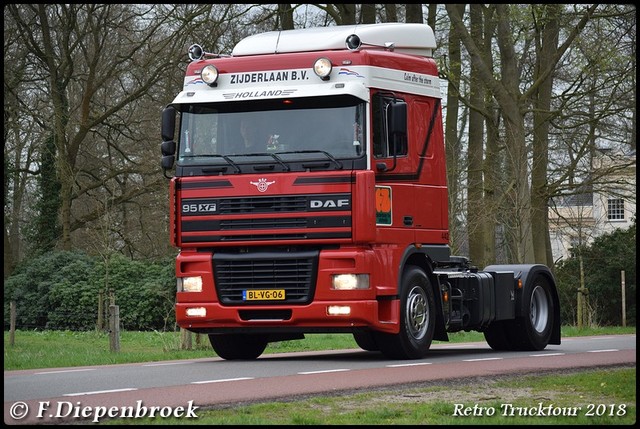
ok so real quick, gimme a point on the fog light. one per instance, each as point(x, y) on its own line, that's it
point(196, 312)
point(338, 310)
point(350, 281)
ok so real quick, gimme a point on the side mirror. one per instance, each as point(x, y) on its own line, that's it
point(168, 123)
point(397, 118)
point(168, 148)
point(167, 162)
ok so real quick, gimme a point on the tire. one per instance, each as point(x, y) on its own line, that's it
point(497, 335)
point(532, 331)
point(366, 340)
point(238, 346)
point(417, 318)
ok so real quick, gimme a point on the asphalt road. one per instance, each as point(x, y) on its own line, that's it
point(62, 395)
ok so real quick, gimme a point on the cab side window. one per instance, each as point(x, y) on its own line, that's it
point(386, 143)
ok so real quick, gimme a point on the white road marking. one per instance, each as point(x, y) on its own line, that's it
point(398, 365)
point(65, 370)
point(548, 354)
point(222, 380)
point(324, 371)
point(97, 392)
point(478, 360)
point(169, 363)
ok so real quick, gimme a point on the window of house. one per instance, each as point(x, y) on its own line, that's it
point(615, 209)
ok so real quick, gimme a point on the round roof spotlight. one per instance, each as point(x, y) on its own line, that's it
point(322, 67)
point(209, 75)
point(353, 42)
point(196, 52)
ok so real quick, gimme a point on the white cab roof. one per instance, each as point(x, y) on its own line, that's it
point(416, 39)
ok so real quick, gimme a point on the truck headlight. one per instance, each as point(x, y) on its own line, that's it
point(189, 284)
point(350, 281)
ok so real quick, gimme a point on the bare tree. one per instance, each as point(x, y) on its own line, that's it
point(99, 65)
point(514, 106)
point(20, 131)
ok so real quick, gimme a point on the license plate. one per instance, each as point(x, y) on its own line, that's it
point(263, 294)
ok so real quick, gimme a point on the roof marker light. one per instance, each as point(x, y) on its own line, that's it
point(322, 67)
point(209, 75)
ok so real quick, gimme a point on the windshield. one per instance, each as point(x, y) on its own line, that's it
point(274, 131)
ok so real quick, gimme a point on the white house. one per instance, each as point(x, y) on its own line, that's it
point(608, 204)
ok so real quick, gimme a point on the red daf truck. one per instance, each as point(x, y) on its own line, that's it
point(335, 219)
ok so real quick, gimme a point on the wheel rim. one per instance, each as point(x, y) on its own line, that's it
point(539, 309)
point(417, 313)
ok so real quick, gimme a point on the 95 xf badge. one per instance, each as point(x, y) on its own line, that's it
point(201, 207)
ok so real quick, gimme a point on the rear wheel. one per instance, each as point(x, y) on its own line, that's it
point(497, 335)
point(532, 331)
point(238, 346)
point(417, 321)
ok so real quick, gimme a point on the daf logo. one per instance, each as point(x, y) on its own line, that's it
point(337, 202)
point(328, 204)
point(262, 184)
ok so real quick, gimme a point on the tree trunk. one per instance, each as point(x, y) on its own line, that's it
point(285, 16)
point(391, 12)
point(476, 206)
point(453, 147)
point(413, 13)
point(492, 161)
point(547, 45)
point(368, 13)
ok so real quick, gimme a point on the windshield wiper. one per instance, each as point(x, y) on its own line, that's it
point(272, 155)
point(327, 154)
point(225, 157)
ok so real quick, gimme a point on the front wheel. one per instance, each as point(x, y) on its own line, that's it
point(366, 340)
point(417, 318)
point(238, 346)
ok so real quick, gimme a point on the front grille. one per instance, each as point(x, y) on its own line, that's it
point(272, 218)
point(293, 272)
point(259, 223)
point(286, 204)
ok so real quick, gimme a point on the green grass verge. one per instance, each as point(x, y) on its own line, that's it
point(55, 349)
